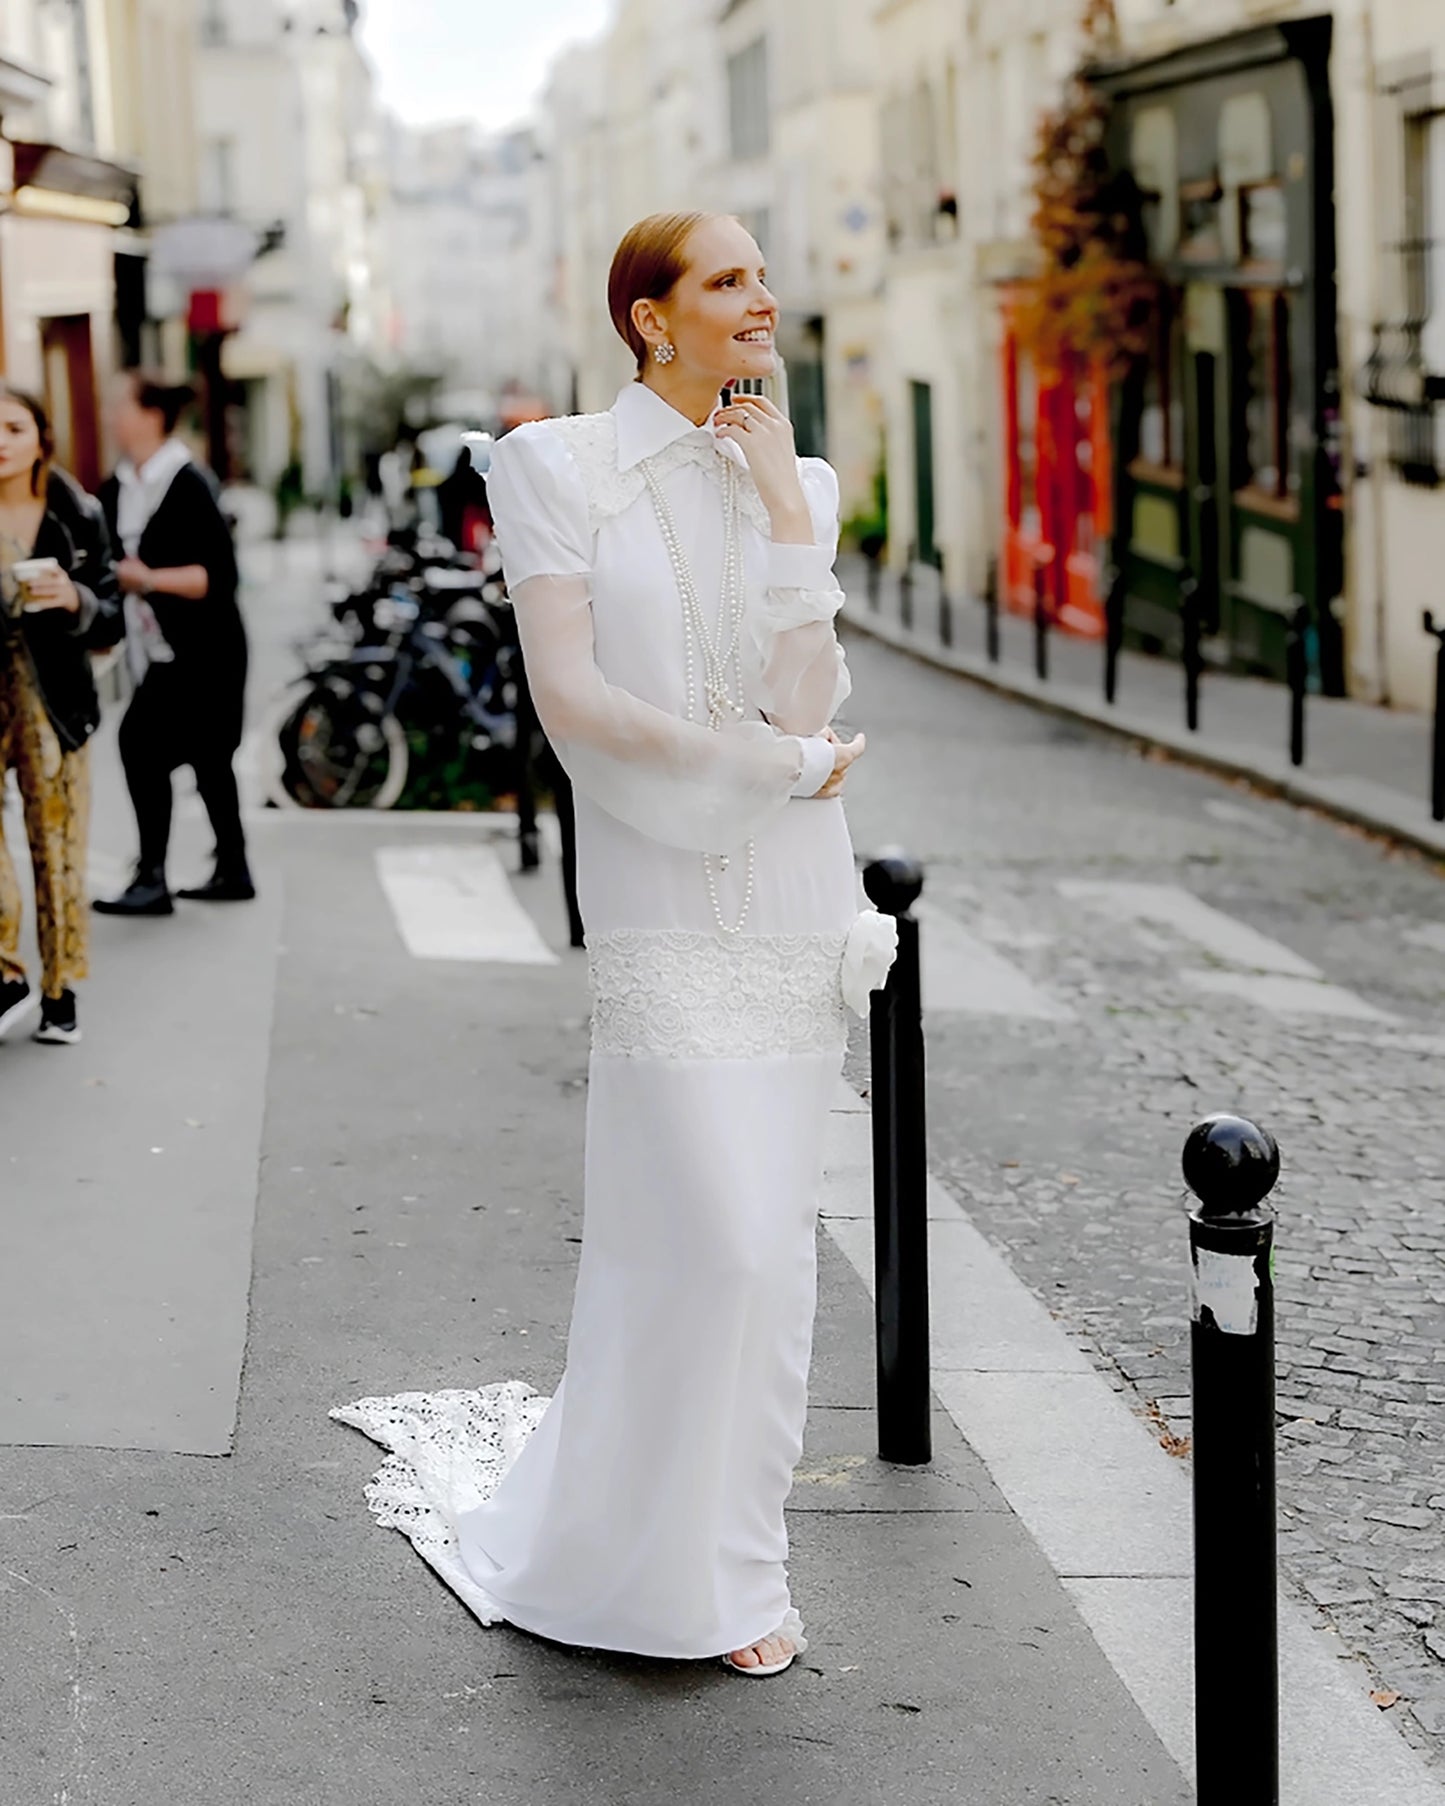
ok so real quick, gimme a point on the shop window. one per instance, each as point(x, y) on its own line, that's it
point(1260, 403)
point(1263, 226)
point(1246, 153)
point(1201, 226)
point(1154, 158)
point(749, 119)
point(1161, 427)
point(1405, 372)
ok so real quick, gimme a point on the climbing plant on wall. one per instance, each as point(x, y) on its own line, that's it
point(1092, 292)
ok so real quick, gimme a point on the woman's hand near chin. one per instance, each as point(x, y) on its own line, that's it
point(765, 435)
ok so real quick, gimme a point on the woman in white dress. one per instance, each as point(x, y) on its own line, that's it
point(671, 567)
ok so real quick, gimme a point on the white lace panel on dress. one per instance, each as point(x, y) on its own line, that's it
point(677, 995)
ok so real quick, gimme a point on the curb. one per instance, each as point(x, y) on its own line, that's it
point(1110, 1511)
point(1355, 801)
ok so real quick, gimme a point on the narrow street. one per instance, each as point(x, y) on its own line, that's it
point(1118, 946)
point(296, 1161)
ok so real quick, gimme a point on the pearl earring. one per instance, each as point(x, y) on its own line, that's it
point(665, 352)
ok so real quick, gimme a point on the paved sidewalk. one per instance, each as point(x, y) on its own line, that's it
point(234, 1628)
point(1366, 765)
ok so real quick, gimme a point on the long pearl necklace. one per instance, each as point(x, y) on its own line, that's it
point(721, 652)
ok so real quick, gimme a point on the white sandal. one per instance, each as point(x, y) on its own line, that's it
point(791, 1630)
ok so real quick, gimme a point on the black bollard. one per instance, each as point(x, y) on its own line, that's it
point(1041, 615)
point(875, 562)
point(524, 757)
point(990, 600)
point(1437, 775)
point(1231, 1167)
point(905, 590)
point(945, 607)
point(1113, 631)
point(1295, 666)
point(1193, 658)
point(900, 1177)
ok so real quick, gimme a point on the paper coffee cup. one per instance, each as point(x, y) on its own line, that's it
point(25, 571)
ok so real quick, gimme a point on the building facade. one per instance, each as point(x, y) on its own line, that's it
point(289, 159)
point(68, 211)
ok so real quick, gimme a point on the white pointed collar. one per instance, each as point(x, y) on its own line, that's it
point(646, 425)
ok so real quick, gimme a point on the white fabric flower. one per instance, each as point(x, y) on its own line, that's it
point(868, 956)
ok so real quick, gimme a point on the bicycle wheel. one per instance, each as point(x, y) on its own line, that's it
point(341, 750)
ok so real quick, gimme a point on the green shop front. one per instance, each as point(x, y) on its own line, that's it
point(1227, 497)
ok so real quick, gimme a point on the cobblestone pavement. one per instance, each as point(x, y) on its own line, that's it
point(1063, 1136)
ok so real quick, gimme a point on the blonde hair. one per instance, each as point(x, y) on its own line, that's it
point(645, 267)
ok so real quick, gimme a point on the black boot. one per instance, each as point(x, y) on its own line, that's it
point(227, 884)
point(145, 895)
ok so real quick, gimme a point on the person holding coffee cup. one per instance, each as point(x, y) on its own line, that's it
point(58, 600)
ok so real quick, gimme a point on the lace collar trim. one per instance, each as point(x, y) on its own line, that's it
point(592, 441)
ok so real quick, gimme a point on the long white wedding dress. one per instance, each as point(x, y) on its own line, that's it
point(641, 1509)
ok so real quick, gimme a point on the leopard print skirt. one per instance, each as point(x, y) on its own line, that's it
point(55, 794)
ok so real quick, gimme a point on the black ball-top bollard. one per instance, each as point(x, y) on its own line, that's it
point(1231, 1167)
point(900, 1176)
point(1437, 751)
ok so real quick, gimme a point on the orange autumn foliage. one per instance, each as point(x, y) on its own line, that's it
point(1093, 293)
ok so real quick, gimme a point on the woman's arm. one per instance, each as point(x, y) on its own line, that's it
point(795, 667)
point(673, 780)
point(191, 581)
point(98, 620)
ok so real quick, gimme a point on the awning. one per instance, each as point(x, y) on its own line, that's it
point(65, 184)
point(203, 251)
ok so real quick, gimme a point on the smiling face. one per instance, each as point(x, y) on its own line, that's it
point(20, 447)
point(721, 316)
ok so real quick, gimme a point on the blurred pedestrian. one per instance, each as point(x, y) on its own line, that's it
point(185, 641)
point(58, 599)
point(465, 517)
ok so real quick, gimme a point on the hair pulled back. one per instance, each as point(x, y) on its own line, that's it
point(645, 267)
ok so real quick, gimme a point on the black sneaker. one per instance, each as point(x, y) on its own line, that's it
point(16, 1002)
point(58, 1026)
point(145, 895)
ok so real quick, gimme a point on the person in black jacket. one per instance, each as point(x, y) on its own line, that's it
point(51, 615)
point(185, 641)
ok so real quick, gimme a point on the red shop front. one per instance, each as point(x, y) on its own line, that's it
point(1057, 485)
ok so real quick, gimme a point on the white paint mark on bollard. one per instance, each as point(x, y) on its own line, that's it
point(456, 903)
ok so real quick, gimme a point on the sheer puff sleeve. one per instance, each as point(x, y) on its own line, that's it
point(676, 781)
point(795, 667)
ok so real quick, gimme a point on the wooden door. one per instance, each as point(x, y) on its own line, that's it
point(70, 396)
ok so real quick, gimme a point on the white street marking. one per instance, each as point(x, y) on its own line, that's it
point(1265, 972)
point(1235, 943)
point(963, 973)
point(1287, 996)
point(455, 903)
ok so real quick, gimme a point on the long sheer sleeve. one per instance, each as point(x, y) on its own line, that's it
point(674, 780)
point(795, 667)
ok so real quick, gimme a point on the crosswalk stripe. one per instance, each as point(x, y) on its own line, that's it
point(1257, 969)
point(963, 973)
point(455, 903)
point(1192, 919)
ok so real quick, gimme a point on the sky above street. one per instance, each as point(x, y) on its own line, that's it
point(486, 60)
